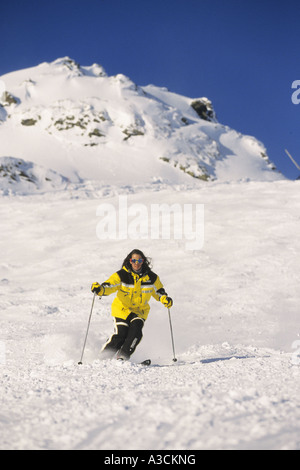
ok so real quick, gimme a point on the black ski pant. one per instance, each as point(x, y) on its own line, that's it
point(127, 335)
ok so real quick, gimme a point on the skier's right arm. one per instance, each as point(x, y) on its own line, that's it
point(108, 287)
point(97, 288)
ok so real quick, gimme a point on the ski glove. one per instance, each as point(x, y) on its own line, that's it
point(167, 301)
point(97, 288)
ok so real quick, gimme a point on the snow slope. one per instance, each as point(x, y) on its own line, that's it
point(235, 321)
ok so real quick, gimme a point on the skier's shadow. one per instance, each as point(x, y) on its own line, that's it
point(207, 361)
point(227, 358)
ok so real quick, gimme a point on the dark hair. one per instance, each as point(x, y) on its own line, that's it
point(146, 264)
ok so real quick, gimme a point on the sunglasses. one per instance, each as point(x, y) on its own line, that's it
point(140, 261)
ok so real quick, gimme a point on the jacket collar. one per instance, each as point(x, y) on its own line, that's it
point(134, 274)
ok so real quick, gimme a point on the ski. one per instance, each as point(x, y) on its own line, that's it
point(147, 362)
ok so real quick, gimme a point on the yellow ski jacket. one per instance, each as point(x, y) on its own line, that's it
point(133, 292)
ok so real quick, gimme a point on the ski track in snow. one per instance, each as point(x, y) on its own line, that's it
point(235, 321)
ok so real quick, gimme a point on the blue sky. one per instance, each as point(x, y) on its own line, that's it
point(243, 56)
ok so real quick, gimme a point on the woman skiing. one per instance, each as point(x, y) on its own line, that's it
point(135, 283)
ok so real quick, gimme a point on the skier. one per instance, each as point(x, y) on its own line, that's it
point(135, 283)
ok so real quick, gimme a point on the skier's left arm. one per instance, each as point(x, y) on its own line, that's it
point(160, 294)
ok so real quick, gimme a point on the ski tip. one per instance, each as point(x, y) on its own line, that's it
point(147, 362)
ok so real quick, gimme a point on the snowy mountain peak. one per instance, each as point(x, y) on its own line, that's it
point(72, 68)
point(85, 125)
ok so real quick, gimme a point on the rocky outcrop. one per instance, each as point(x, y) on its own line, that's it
point(204, 109)
point(20, 177)
point(7, 99)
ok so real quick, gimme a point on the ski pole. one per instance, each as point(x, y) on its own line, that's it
point(294, 161)
point(80, 362)
point(171, 329)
